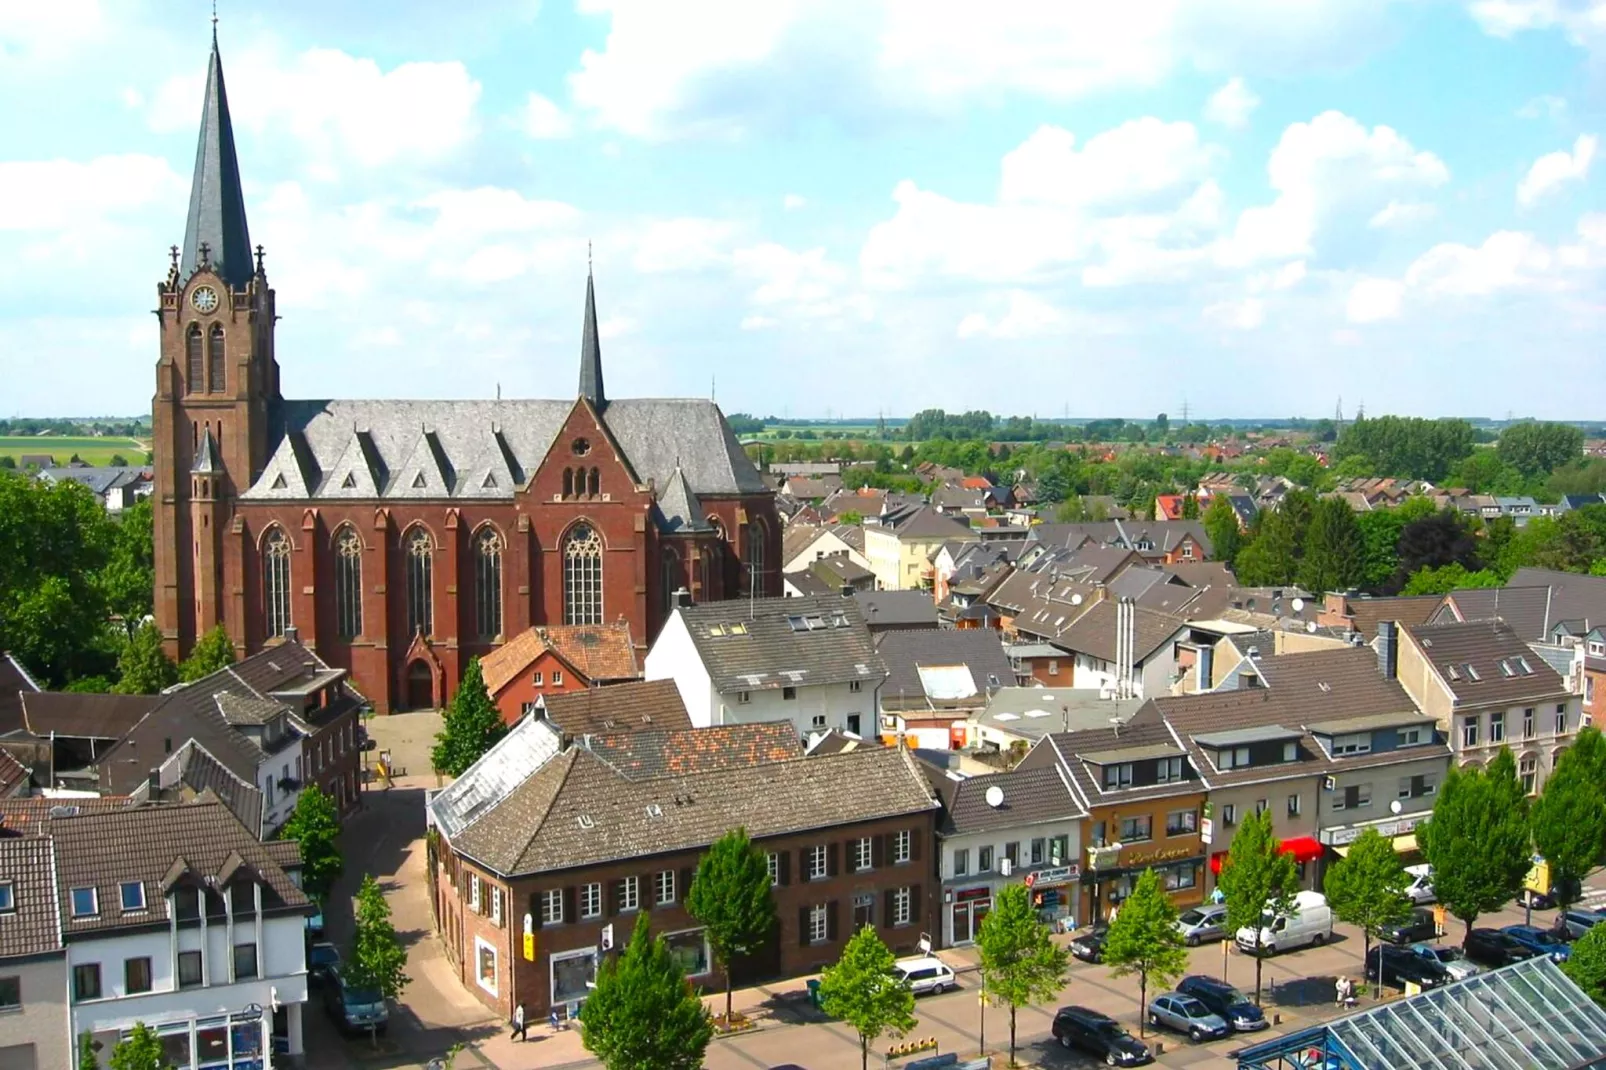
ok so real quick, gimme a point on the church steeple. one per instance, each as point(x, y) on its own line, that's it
point(591, 352)
point(217, 204)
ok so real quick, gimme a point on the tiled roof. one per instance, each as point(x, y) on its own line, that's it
point(1094, 632)
point(1144, 735)
point(763, 643)
point(924, 522)
point(918, 657)
point(84, 715)
point(1527, 609)
point(889, 608)
point(808, 584)
point(599, 652)
point(192, 773)
point(577, 811)
point(1365, 613)
point(1163, 535)
point(687, 751)
point(13, 775)
point(28, 816)
point(14, 679)
point(34, 926)
point(633, 706)
point(1030, 796)
point(797, 538)
point(833, 741)
point(1496, 657)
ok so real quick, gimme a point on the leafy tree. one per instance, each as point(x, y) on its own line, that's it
point(377, 960)
point(212, 652)
point(1478, 841)
point(473, 725)
point(144, 668)
point(1447, 578)
point(118, 461)
point(8, 461)
point(1019, 959)
point(129, 577)
point(1221, 524)
point(731, 897)
point(1335, 549)
point(1272, 558)
point(1144, 939)
point(862, 990)
point(850, 517)
point(91, 685)
point(1569, 821)
point(1190, 506)
point(88, 1049)
point(1434, 541)
point(141, 1050)
point(315, 825)
point(1536, 449)
point(1367, 888)
point(1054, 485)
point(1586, 965)
point(643, 1015)
point(1407, 446)
point(1257, 879)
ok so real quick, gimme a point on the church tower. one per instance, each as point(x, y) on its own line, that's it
point(217, 382)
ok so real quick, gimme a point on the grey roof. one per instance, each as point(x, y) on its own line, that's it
point(808, 584)
point(762, 643)
point(1115, 755)
point(528, 745)
point(206, 462)
point(591, 352)
point(1366, 721)
point(1093, 633)
point(924, 522)
point(1031, 796)
point(577, 811)
point(1163, 535)
point(659, 752)
point(678, 507)
point(217, 202)
point(83, 715)
point(634, 705)
point(33, 926)
point(1232, 737)
point(907, 653)
point(1503, 669)
point(192, 773)
point(100, 479)
point(1080, 755)
point(1527, 608)
point(891, 608)
point(362, 450)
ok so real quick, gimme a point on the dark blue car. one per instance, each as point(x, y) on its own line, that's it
point(1539, 941)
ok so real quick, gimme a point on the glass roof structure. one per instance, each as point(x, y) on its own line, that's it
point(1529, 1016)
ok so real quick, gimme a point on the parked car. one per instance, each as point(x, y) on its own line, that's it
point(1239, 1011)
point(1578, 921)
point(1419, 926)
point(1493, 948)
point(1208, 922)
point(322, 958)
point(1089, 947)
point(1310, 922)
point(1187, 1015)
point(1540, 941)
point(1453, 959)
point(1401, 964)
point(928, 975)
point(1099, 1035)
point(1420, 886)
point(354, 1010)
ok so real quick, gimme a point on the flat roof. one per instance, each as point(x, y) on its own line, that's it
point(1257, 734)
point(1133, 754)
point(1370, 721)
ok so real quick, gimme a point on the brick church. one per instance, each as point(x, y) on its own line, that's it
point(400, 538)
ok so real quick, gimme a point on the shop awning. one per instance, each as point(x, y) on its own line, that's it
point(1402, 845)
point(1303, 848)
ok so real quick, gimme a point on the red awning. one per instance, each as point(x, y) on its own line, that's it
point(1303, 848)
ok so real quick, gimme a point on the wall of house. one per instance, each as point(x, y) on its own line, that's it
point(965, 888)
point(1421, 681)
point(1152, 679)
point(42, 1020)
point(1535, 752)
point(1182, 854)
point(332, 759)
point(826, 545)
point(277, 803)
point(1384, 782)
point(523, 691)
point(814, 709)
point(884, 557)
point(1243, 798)
point(674, 656)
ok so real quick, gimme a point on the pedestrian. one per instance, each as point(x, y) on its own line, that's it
point(518, 1023)
point(552, 1020)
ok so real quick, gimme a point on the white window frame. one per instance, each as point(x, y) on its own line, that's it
point(662, 883)
point(819, 924)
point(902, 847)
point(8, 897)
point(535, 679)
point(1294, 805)
point(474, 892)
point(1168, 770)
point(496, 906)
point(855, 686)
point(557, 677)
point(552, 906)
point(482, 945)
point(564, 956)
point(862, 858)
point(773, 864)
point(1497, 726)
point(1410, 737)
point(122, 897)
point(1561, 718)
point(708, 951)
point(1471, 729)
point(94, 902)
point(590, 904)
point(961, 862)
point(819, 863)
point(629, 894)
point(902, 906)
point(1353, 743)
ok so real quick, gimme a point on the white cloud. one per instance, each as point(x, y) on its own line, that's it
point(1583, 21)
point(1553, 170)
point(41, 32)
point(805, 285)
point(1232, 104)
point(670, 245)
point(793, 201)
point(63, 195)
point(1139, 159)
point(1543, 106)
point(1372, 300)
point(544, 120)
point(1401, 214)
point(1025, 315)
point(1284, 278)
point(1244, 315)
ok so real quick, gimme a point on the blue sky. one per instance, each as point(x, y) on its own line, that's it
point(1253, 206)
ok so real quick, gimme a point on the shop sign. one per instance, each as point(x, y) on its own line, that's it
point(1387, 829)
point(972, 893)
point(1103, 857)
point(1164, 854)
point(1043, 878)
point(1207, 830)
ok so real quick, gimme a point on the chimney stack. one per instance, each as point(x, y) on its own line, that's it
point(1388, 657)
point(682, 598)
point(291, 635)
point(847, 590)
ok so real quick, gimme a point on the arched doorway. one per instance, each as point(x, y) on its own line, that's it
point(420, 685)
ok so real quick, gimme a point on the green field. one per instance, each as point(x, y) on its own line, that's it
point(96, 451)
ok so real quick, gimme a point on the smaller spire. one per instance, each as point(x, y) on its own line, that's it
point(591, 348)
point(206, 462)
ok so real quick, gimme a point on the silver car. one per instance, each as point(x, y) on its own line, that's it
point(1455, 963)
point(1208, 922)
point(1187, 1015)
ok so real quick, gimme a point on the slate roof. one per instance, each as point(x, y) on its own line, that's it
point(14, 680)
point(591, 351)
point(1094, 632)
point(797, 538)
point(576, 811)
point(34, 926)
point(1031, 796)
point(191, 773)
point(924, 522)
point(764, 643)
point(1044, 605)
point(147, 844)
point(1486, 646)
point(217, 200)
point(687, 751)
point(1143, 736)
point(888, 609)
point(1527, 608)
point(678, 508)
point(83, 715)
point(839, 569)
point(906, 653)
point(598, 652)
point(633, 706)
point(1164, 535)
point(100, 479)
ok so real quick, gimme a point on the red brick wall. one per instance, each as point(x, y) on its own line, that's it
point(522, 688)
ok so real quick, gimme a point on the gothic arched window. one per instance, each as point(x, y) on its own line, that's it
point(757, 549)
point(582, 576)
point(568, 482)
point(704, 592)
point(216, 379)
point(420, 570)
point(672, 579)
point(276, 582)
point(488, 582)
point(348, 583)
point(195, 366)
point(594, 485)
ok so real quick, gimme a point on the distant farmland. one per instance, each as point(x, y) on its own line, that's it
point(90, 449)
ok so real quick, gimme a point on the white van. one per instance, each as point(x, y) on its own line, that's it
point(1420, 888)
point(1310, 922)
point(925, 975)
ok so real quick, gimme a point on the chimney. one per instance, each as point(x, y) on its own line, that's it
point(291, 635)
point(682, 598)
point(847, 590)
point(1388, 656)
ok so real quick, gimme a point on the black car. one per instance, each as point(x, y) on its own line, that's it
point(1100, 1035)
point(1493, 948)
point(1401, 964)
point(1089, 947)
point(1225, 1000)
point(1419, 926)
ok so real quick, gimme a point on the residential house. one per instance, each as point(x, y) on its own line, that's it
point(896, 611)
point(810, 488)
point(805, 468)
point(636, 706)
point(34, 1029)
point(1487, 690)
point(1151, 664)
point(805, 584)
point(115, 487)
point(1361, 616)
point(1017, 717)
point(1162, 542)
point(936, 679)
point(76, 729)
point(35, 462)
point(901, 544)
point(961, 502)
point(839, 573)
point(807, 660)
point(803, 544)
point(998, 829)
point(556, 658)
point(1169, 506)
point(546, 857)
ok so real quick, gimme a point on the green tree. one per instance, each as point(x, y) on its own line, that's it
point(642, 1014)
point(315, 825)
point(1271, 559)
point(1536, 449)
point(1020, 962)
point(1433, 541)
point(377, 961)
point(212, 652)
point(129, 577)
point(732, 899)
point(1478, 841)
point(1569, 821)
point(140, 1050)
point(1190, 506)
point(862, 990)
point(1367, 888)
point(1447, 578)
point(1586, 965)
point(143, 668)
point(1409, 447)
point(1221, 524)
point(1258, 880)
point(88, 1052)
point(1335, 549)
point(1144, 939)
point(473, 725)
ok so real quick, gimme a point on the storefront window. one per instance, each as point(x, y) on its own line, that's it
point(690, 950)
point(570, 972)
point(1183, 876)
point(176, 1044)
point(485, 965)
point(211, 1044)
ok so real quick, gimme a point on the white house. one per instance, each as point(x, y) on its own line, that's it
point(810, 661)
point(1137, 660)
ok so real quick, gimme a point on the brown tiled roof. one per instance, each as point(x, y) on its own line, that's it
point(1366, 613)
point(84, 716)
point(633, 706)
point(29, 816)
point(1030, 796)
point(1094, 632)
point(14, 680)
point(34, 927)
point(599, 652)
point(1484, 646)
point(577, 811)
point(686, 751)
point(286, 853)
point(1144, 734)
point(193, 773)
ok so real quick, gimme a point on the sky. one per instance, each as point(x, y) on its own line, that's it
point(816, 208)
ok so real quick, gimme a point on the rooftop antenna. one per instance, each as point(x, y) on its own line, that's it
point(588, 256)
point(214, 22)
point(498, 391)
point(713, 381)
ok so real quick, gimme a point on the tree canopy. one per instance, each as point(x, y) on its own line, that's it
point(1367, 888)
point(731, 895)
point(212, 652)
point(140, 1050)
point(472, 726)
point(1144, 939)
point(1220, 522)
point(1335, 549)
point(1478, 840)
point(861, 989)
point(1536, 449)
point(642, 1014)
point(1257, 879)
point(1021, 964)
point(143, 668)
point(1586, 965)
point(1407, 446)
point(1569, 818)
point(377, 960)
point(315, 825)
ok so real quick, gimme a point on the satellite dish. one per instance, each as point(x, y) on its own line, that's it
point(1076, 599)
point(995, 796)
point(1299, 605)
point(1310, 626)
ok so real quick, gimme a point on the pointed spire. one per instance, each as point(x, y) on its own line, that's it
point(217, 203)
point(206, 462)
point(591, 350)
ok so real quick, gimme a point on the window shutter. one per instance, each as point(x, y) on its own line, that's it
point(686, 877)
point(803, 864)
point(886, 911)
point(535, 909)
point(614, 891)
point(802, 926)
point(785, 860)
point(570, 913)
point(830, 860)
point(914, 845)
point(830, 920)
point(878, 851)
point(914, 904)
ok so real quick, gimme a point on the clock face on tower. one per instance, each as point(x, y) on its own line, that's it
point(204, 300)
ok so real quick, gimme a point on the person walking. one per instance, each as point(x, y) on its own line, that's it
point(519, 1025)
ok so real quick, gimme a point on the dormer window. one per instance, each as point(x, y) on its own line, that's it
point(85, 903)
point(1118, 776)
point(1354, 743)
point(1232, 758)
point(8, 897)
point(133, 896)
